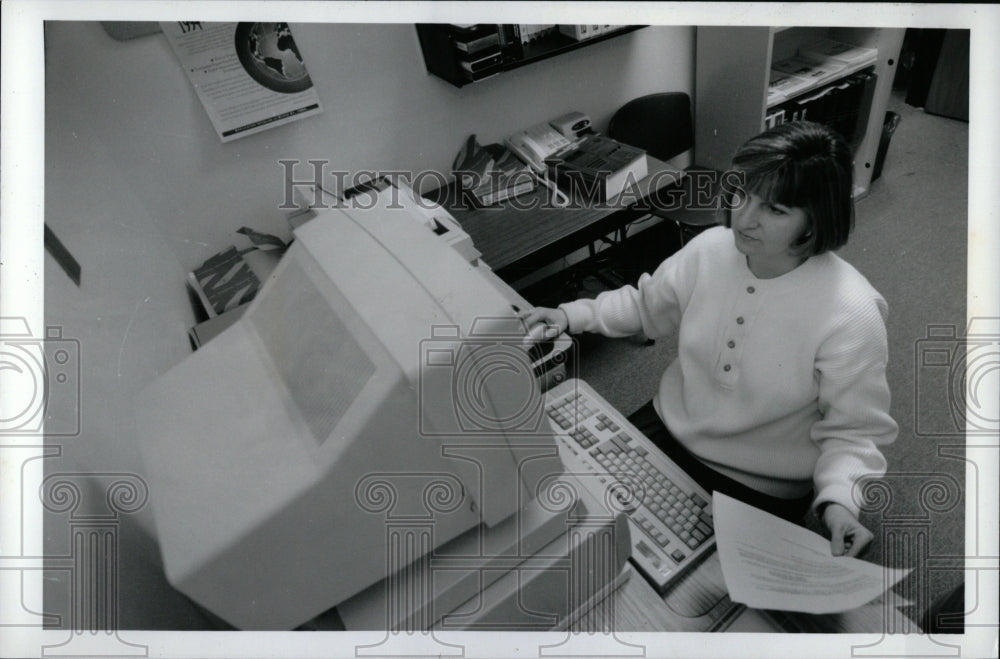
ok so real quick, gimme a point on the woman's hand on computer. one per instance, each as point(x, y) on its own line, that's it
point(847, 535)
point(542, 323)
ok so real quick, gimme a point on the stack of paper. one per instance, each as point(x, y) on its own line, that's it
point(825, 49)
point(784, 85)
point(815, 70)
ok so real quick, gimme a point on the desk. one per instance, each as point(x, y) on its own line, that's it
point(519, 236)
point(699, 603)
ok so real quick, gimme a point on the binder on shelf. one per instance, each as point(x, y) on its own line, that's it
point(774, 118)
point(843, 105)
point(510, 42)
point(867, 80)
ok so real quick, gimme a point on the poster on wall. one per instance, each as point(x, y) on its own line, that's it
point(249, 76)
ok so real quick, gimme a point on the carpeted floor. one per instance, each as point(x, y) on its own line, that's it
point(910, 241)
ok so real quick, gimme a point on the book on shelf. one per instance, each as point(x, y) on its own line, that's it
point(479, 45)
point(602, 165)
point(531, 31)
point(838, 50)
point(583, 32)
point(867, 82)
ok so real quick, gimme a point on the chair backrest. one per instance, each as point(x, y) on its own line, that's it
point(660, 124)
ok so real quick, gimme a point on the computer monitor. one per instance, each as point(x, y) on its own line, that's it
point(377, 379)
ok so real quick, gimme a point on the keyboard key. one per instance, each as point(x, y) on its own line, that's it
point(678, 555)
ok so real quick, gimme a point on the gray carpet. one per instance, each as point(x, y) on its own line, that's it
point(910, 241)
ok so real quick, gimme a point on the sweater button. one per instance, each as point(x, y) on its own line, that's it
point(750, 289)
point(739, 320)
point(727, 368)
point(731, 344)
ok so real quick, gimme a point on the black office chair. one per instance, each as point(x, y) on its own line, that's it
point(661, 124)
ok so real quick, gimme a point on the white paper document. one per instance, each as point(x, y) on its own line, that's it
point(769, 563)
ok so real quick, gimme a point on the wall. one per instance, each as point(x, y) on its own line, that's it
point(141, 190)
point(382, 110)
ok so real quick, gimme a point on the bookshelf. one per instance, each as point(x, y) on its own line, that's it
point(462, 54)
point(733, 71)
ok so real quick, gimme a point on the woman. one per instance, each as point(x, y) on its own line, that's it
point(778, 395)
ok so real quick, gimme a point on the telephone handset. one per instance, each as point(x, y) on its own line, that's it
point(536, 144)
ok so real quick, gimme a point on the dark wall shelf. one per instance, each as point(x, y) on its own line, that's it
point(446, 49)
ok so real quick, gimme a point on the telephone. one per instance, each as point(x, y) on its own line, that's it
point(536, 144)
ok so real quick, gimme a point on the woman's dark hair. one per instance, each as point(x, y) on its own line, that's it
point(804, 165)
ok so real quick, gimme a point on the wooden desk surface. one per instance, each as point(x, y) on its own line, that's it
point(529, 231)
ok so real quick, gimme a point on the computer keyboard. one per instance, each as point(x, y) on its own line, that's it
point(670, 514)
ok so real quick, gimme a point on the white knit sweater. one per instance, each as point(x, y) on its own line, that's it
point(778, 383)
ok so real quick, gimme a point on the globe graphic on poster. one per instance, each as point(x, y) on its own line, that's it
point(268, 53)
